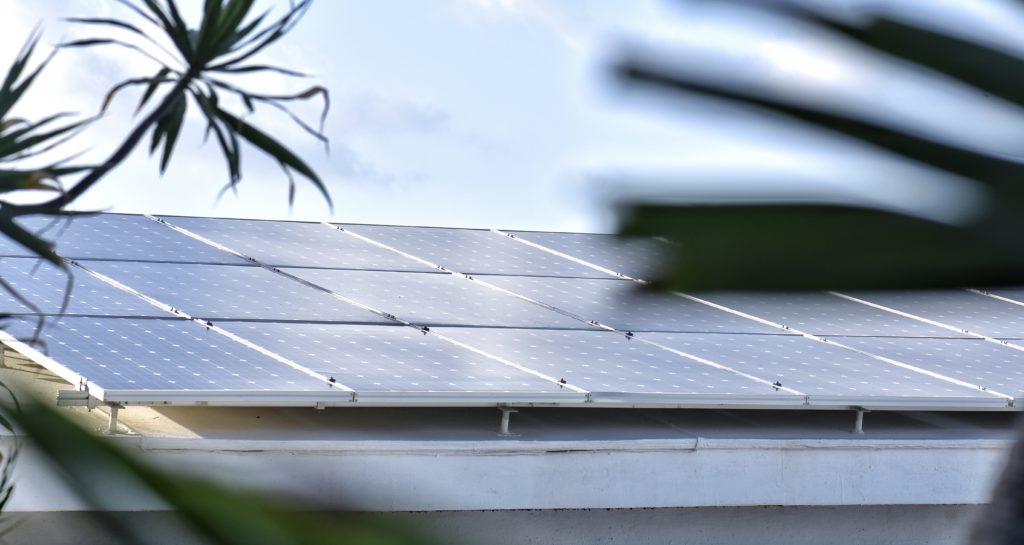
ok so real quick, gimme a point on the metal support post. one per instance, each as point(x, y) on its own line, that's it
point(112, 422)
point(505, 412)
point(858, 425)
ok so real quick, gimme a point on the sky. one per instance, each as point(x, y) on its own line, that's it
point(502, 113)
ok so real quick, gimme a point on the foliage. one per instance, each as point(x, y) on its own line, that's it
point(814, 246)
point(21, 141)
point(191, 73)
point(214, 513)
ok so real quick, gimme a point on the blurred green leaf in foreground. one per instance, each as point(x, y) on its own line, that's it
point(195, 70)
point(211, 513)
point(814, 245)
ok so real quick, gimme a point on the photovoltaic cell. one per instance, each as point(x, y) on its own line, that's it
point(224, 291)
point(45, 286)
point(120, 342)
point(976, 361)
point(127, 237)
point(811, 367)
point(825, 314)
point(436, 299)
point(1014, 294)
point(602, 361)
point(622, 305)
point(635, 257)
point(295, 244)
point(161, 354)
point(959, 308)
point(1017, 294)
point(472, 251)
point(389, 358)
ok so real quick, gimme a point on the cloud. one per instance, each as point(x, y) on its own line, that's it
point(377, 113)
point(349, 165)
point(566, 19)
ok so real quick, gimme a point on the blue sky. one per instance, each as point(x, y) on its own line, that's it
point(499, 113)
point(471, 113)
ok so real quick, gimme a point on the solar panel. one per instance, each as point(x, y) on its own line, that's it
point(1016, 294)
point(976, 361)
point(811, 367)
point(138, 354)
point(634, 257)
point(622, 305)
point(295, 244)
point(119, 236)
point(960, 308)
point(472, 251)
point(602, 361)
point(10, 248)
point(436, 299)
point(224, 291)
point(825, 314)
point(484, 346)
point(45, 286)
point(389, 358)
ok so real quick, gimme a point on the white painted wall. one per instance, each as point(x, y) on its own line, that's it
point(484, 475)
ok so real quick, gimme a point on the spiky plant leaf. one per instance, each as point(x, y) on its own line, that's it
point(228, 36)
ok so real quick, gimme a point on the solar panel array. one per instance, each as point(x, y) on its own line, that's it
point(181, 310)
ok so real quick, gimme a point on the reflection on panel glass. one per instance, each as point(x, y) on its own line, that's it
point(160, 354)
point(825, 314)
point(623, 305)
point(812, 367)
point(473, 251)
point(389, 358)
point(976, 361)
point(634, 257)
point(120, 236)
point(957, 308)
point(222, 291)
point(602, 361)
point(297, 244)
point(45, 286)
point(436, 299)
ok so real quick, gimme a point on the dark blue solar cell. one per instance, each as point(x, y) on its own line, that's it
point(224, 291)
point(43, 288)
point(161, 354)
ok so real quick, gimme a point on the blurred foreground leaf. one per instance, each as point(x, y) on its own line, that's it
point(805, 247)
point(798, 246)
point(93, 466)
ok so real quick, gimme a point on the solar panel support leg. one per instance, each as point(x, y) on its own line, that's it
point(858, 424)
point(505, 412)
point(112, 421)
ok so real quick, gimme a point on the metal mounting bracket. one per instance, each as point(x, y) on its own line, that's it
point(76, 398)
point(112, 422)
point(505, 412)
point(858, 424)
